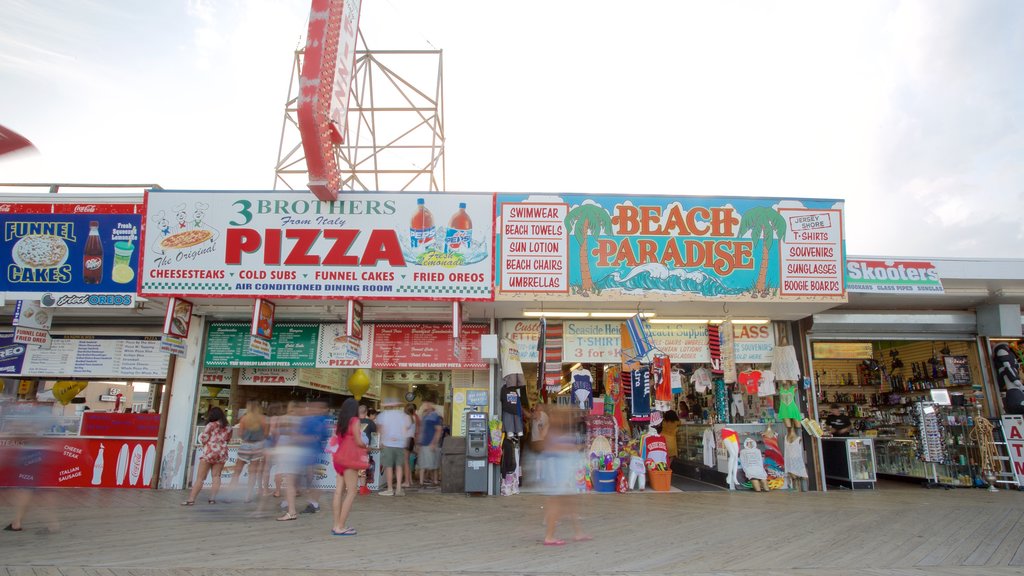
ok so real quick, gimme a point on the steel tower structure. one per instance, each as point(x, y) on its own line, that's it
point(394, 140)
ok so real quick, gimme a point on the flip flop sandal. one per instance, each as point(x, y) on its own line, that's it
point(554, 542)
point(585, 538)
point(188, 502)
point(11, 528)
point(345, 532)
point(288, 517)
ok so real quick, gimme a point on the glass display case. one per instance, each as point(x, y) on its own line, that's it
point(849, 462)
point(898, 457)
point(690, 441)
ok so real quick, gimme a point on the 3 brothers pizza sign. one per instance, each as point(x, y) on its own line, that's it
point(281, 245)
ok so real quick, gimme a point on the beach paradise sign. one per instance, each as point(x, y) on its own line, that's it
point(670, 247)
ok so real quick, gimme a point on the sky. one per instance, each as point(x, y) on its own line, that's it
point(910, 111)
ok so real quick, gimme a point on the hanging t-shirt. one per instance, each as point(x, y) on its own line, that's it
point(702, 380)
point(750, 380)
point(661, 373)
point(640, 401)
point(510, 400)
point(767, 387)
point(676, 380)
point(708, 440)
point(582, 388)
point(655, 450)
point(510, 363)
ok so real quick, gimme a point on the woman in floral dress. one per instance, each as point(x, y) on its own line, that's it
point(215, 438)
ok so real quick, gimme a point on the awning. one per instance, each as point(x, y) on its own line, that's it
point(895, 325)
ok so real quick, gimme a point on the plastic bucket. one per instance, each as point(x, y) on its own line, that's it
point(604, 480)
point(659, 480)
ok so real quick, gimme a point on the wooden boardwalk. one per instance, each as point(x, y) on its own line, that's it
point(896, 531)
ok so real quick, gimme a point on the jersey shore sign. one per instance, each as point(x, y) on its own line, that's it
point(670, 248)
point(284, 245)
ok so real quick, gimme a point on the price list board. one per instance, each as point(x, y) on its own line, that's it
point(293, 346)
point(97, 356)
point(426, 346)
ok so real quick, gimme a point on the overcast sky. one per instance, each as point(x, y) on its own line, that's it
point(909, 111)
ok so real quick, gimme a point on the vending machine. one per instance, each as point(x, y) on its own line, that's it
point(476, 452)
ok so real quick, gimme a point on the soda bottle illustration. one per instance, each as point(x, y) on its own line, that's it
point(92, 262)
point(459, 237)
point(97, 468)
point(421, 228)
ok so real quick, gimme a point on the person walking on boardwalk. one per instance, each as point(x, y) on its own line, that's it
point(349, 432)
point(392, 426)
point(215, 438)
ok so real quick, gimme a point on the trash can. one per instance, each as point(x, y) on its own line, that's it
point(453, 465)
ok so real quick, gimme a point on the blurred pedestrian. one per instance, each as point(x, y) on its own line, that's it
point(289, 457)
point(428, 458)
point(348, 432)
point(314, 432)
point(273, 420)
point(368, 425)
point(214, 438)
point(26, 461)
point(252, 429)
point(410, 446)
point(562, 461)
point(538, 428)
point(393, 428)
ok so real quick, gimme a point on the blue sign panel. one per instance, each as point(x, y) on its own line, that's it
point(69, 253)
point(12, 355)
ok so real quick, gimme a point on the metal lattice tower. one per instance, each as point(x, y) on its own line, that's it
point(394, 140)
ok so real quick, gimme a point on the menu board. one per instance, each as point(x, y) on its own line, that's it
point(97, 356)
point(293, 345)
point(426, 346)
point(335, 349)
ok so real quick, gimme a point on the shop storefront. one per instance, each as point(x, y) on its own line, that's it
point(746, 328)
point(411, 363)
point(385, 252)
point(905, 386)
point(718, 280)
point(80, 382)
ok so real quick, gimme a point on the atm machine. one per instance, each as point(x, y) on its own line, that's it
point(476, 452)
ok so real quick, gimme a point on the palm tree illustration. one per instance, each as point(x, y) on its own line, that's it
point(584, 221)
point(766, 225)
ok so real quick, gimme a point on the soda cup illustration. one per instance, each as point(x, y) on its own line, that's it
point(421, 227)
point(459, 237)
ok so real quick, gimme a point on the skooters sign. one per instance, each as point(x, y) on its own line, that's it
point(286, 245)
